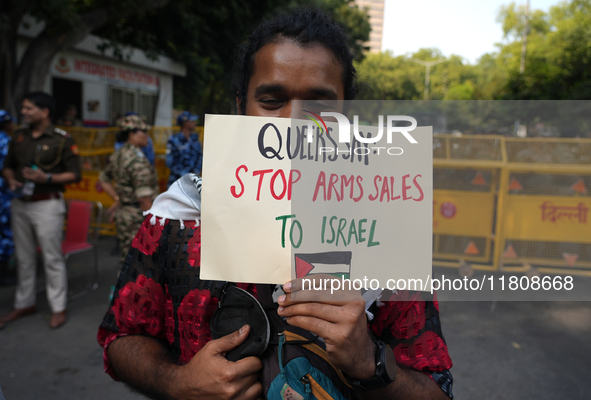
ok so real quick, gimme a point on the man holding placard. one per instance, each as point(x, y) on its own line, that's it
point(157, 335)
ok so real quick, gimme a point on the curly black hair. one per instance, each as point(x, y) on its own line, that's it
point(304, 26)
point(42, 100)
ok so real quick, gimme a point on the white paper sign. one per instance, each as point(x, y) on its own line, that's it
point(276, 206)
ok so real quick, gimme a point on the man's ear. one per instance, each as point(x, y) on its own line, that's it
point(45, 112)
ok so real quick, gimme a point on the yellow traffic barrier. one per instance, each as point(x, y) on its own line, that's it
point(465, 180)
point(95, 145)
point(545, 205)
point(89, 189)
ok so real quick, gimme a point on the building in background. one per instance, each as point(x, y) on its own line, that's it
point(375, 9)
point(102, 87)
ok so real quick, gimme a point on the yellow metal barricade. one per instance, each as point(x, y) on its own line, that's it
point(96, 144)
point(465, 181)
point(89, 189)
point(545, 204)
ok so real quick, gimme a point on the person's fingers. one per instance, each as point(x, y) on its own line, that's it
point(248, 366)
point(241, 368)
point(230, 341)
point(315, 325)
point(323, 319)
point(310, 282)
point(322, 287)
point(327, 311)
point(255, 391)
point(324, 298)
point(241, 382)
point(321, 316)
point(27, 172)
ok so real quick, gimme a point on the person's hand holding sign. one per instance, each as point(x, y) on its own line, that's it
point(336, 316)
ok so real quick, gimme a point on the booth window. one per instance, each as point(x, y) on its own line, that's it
point(124, 100)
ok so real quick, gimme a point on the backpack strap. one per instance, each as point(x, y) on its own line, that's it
point(288, 343)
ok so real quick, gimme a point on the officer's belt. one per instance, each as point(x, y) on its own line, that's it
point(42, 196)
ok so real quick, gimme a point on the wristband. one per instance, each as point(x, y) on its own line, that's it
point(48, 177)
point(385, 370)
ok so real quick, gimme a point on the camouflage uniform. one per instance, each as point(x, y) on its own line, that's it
point(134, 178)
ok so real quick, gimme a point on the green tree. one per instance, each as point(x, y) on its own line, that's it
point(201, 34)
point(491, 77)
point(558, 52)
point(385, 77)
point(354, 20)
point(572, 34)
point(204, 36)
point(461, 91)
point(66, 23)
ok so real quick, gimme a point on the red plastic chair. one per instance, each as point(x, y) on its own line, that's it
point(76, 238)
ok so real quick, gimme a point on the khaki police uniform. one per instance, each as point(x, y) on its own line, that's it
point(39, 218)
point(134, 178)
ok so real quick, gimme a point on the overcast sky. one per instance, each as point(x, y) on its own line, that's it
point(464, 27)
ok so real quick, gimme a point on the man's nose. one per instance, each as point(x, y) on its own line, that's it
point(296, 109)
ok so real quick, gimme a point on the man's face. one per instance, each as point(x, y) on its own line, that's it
point(190, 125)
point(287, 71)
point(32, 114)
point(139, 138)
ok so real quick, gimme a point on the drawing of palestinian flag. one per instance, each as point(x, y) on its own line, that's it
point(337, 263)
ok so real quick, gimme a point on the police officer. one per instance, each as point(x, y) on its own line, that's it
point(148, 150)
point(6, 241)
point(136, 183)
point(183, 150)
point(41, 160)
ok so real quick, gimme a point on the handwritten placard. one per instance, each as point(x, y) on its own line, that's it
point(284, 199)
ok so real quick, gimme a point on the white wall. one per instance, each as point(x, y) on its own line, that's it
point(93, 92)
point(164, 107)
point(97, 87)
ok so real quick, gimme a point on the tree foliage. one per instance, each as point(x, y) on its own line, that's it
point(204, 36)
point(386, 77)
point(201, 34)
point(557, 63)
point(66, 23)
